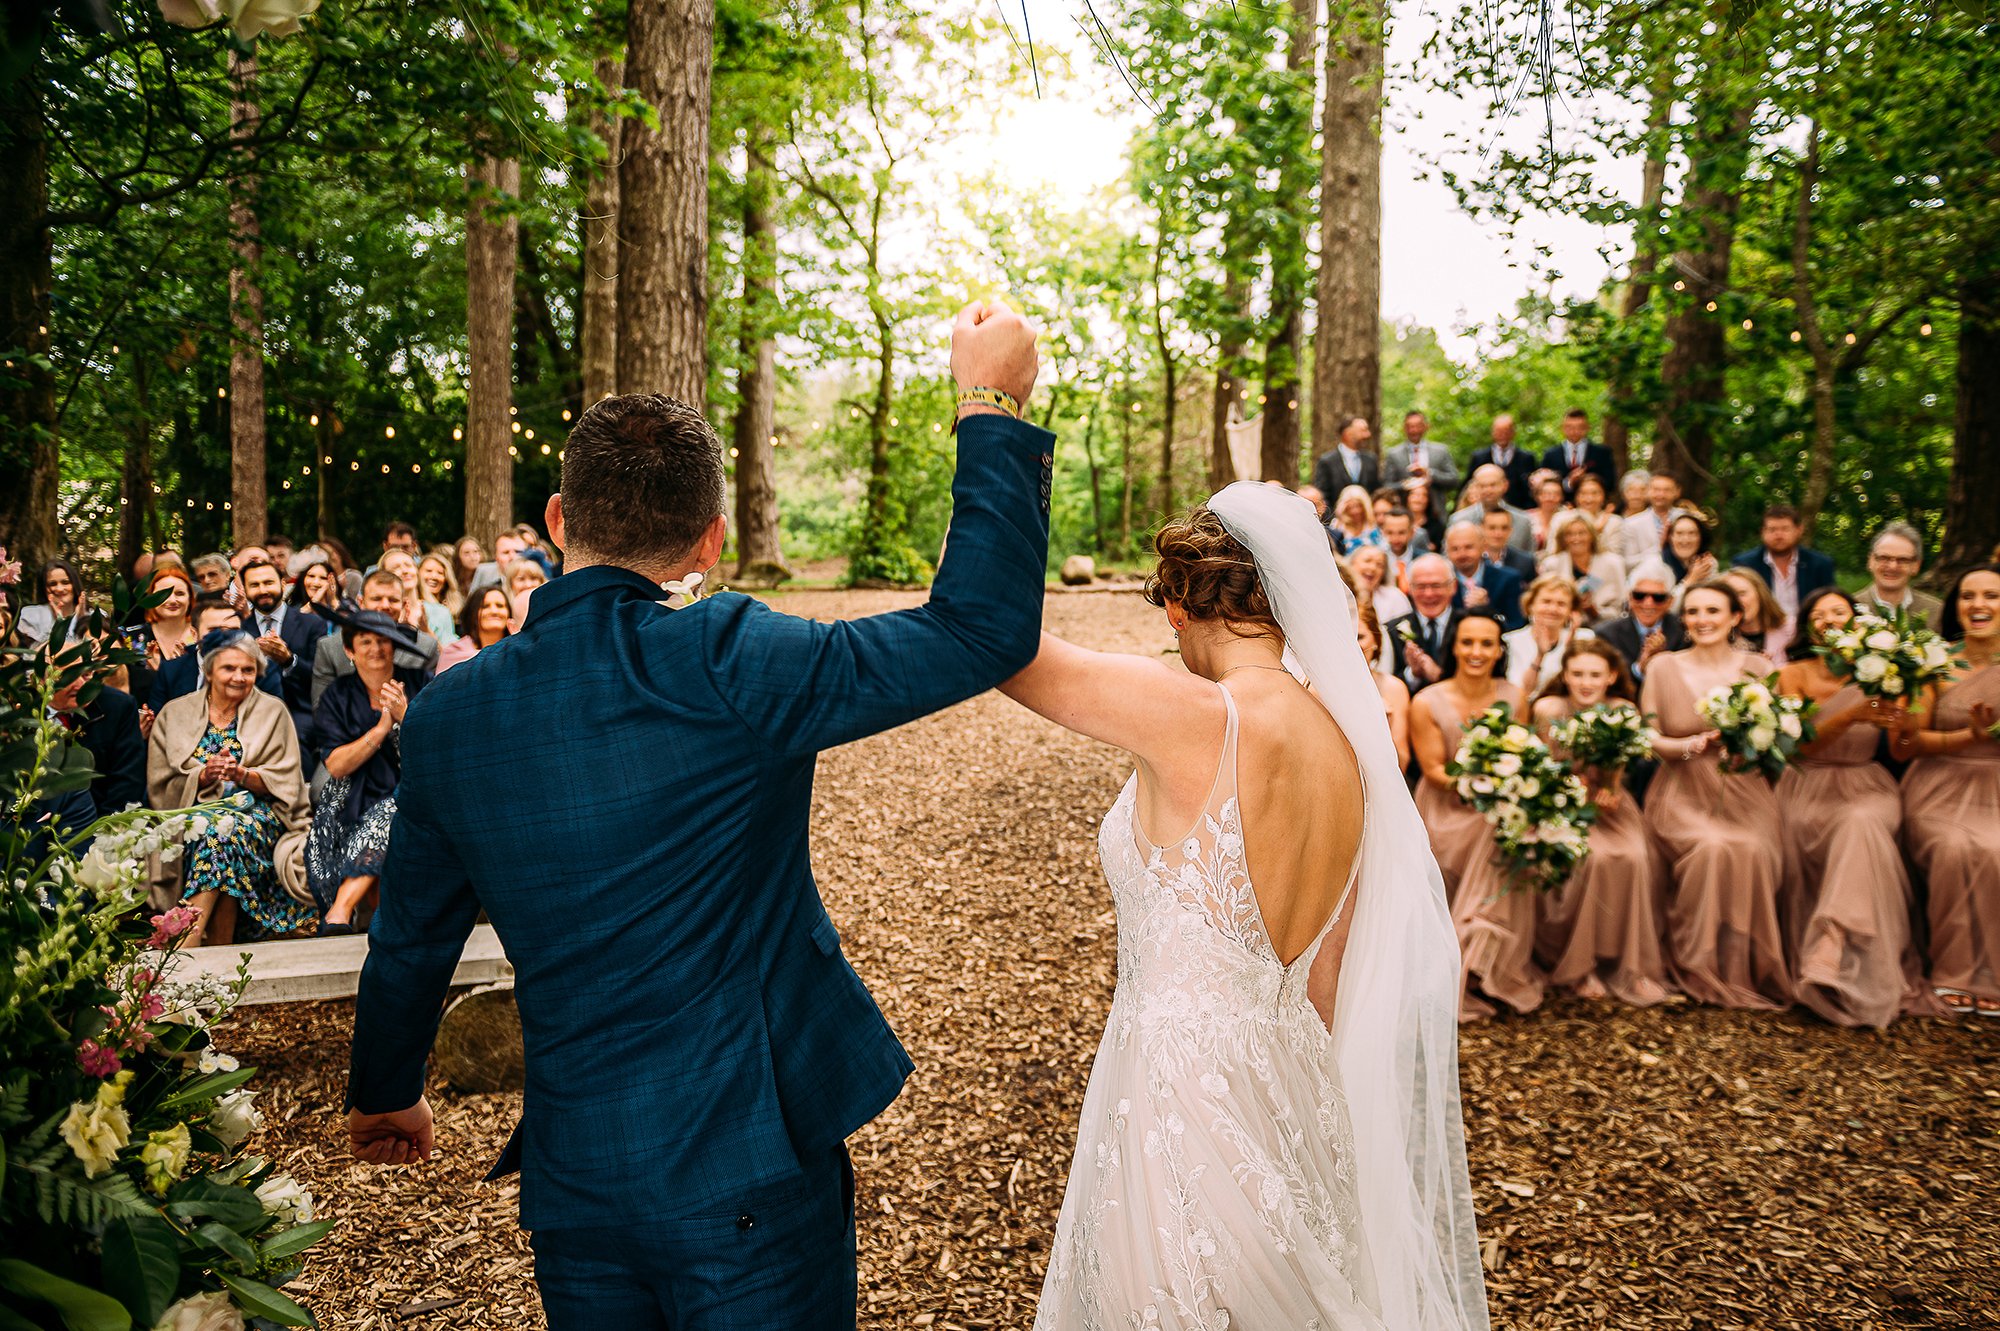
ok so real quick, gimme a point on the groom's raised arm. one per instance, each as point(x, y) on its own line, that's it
point(805, 686)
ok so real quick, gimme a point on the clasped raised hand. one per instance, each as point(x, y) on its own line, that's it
point(993, 347)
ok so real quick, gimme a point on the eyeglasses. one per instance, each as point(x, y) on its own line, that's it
point(1897, 560)
point(1650, 596)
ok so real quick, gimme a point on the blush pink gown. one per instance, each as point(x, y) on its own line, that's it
point(1951, 823)
point(1720, 835)
point(1495, 921)
point(1848, 897)
point(1602, 933)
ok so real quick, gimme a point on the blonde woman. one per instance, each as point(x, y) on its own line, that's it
point(417, 612)
point(1763, 629)
point(1535, 651)
point(436, 581)
point(523, 576)
point(1577, 556)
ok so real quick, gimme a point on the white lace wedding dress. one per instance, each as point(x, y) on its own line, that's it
point(1214, 1182)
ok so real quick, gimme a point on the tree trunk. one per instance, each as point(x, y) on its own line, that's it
point(323, 522)
point(1096, 474)
point(30, 459)
point(1221, 465)
point(1645, 258)
point(1820, 459)
point(760, 559)
point(663, 203)
point(1127, 478)
point(599, 314)
point(135, 479)
point(1347, 350)
point(1972, 507)
point(1695, 366)
point(1290, 272)
point(491, 239)
point(1172, 392)
point(249, 490)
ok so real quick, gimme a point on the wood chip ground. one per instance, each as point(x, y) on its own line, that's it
point(1674, 1168)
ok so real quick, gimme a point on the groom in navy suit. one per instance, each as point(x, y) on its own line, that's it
point(698, 1049)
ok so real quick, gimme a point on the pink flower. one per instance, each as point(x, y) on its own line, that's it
point(10, 569)
point(151, 1006)
point(97, 1061)
point(171, 924)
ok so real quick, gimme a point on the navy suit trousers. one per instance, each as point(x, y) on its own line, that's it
point(781, 1259)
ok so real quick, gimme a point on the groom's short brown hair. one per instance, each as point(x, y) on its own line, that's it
point(642, 478)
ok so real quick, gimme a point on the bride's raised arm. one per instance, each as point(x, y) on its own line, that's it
point(1132, 702)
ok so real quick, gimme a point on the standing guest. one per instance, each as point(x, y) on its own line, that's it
point(1353, 523)
point(1402, 541)
point(242, 559)
point(1485, 492)
point(58, 604)
point(1577, 555)
point(1848, 898)
point(1600, 932)
point(1787, 568)
point(532, 547)
point(1592, 499)
point(1370, 566)
point(212, 572)
point(345, 568)
point(1549, 505)
point(1894, 557)
point(1719, 831)
point(1496, 925)
point(1763, 627)
point(382, 591)
point(1428, 514)
point(167, 629)
point(358, 724)
point(416, 611)
point(1482, 584)
point(1536, 650)
point(1649, 627)
point(1576, 456)
point(1416, 459)
point(1517, 465)
point(1951, 798)
point(467, 555)
point(182, 675)
point(1350, 462)
point(315, 584)
point(231, 738)
point(1633, 492)
point(288, 637)
point(1395, 694)
point(108, 726)
point(279, 549)
point(483, 620)
point(1496, 531)
point(507, 552)
point(1315, 498)
point(1421, 640)
point(1645, 534)
point(400, 536)
point(437, 581)
point(1687, 550)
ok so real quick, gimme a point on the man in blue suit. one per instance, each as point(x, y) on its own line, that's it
point(698, 1050)
point(1482, 584)
point(1788, 568)
point(287, 635)
point(1576, 455)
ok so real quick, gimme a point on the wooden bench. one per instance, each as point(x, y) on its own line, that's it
point(302, 970)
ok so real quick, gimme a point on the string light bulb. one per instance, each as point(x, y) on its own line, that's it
point(545, 450)
point(1680, 286)
point(565, 413)
point(389, 432)
point(1711, 307)
point(385, 469)
point(529, 434)
point(313, 419)
point(222, 392)
point(1747, 325)
point(1795, 335)
point(1924, 329)
point(457, 433)
point(517, 427)
point(513, 411)
point(1849, 339)
point(416, 468)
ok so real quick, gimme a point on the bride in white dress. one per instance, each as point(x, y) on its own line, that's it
point(1271, 1137)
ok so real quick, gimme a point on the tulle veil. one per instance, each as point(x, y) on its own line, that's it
point(1395, 1028)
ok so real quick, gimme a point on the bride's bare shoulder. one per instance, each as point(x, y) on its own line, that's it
point(1119, 698)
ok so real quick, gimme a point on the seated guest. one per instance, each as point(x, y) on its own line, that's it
point(1427, 512)
point(1402, 541)
point(399, 536)
point(182, 675)
point(1646, 531)
point(1550, 501)
point(416, 651)
point(1353, 523)
point(1485, 493)
point(532, 548)
point(214, 573)
point(483, 620)
point(1370, 566)
point(1592, 499)
point(438, 583)
point(1395, 694)
point(108, 726)
point(288, 637)
point(357, 724)
point(1649, 627)
point(416, 611)
point(58, 604)
point(507, 551)
point(1763, 625)
point(1632, 492)
point(467, 556)
point(315, 583)
point(1496, 529)
point(1894, 558)
point(1577, 556)
point(1421, 640)
point(228, 739)
point(1316, 499)
point(1686, 551)
point(522, 579)
point(346, 570)
point(1482, 584)
point(1788, 569)
point(1535, 651)
point(278, 549)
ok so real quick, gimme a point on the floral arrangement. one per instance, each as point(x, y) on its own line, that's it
point(1609, 737)
point(126, 1197)
point(1892, 657)
point(1540, 811)
point(1761, 728)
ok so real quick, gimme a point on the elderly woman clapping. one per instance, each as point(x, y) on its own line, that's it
point(228, 738)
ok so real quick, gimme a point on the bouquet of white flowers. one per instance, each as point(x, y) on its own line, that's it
point(1761, 728)
point(1609, 736)
point(1886, 657)
point(1540, 812)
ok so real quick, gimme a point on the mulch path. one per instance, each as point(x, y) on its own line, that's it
point(1673, 1168)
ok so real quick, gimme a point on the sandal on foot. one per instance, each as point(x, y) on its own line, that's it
point(1960, 1002)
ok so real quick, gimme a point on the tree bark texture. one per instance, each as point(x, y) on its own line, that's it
point(1170, 387)
point(30, 458)
point(1290, 270)
point(1645, 257)
point(1972, 506)
point(249, 490)
point(135, 480)
point(1221, 466)
point(599, 332)
point(663, 203)
point(760, 558)
point(1696, 363)
point(492, 235)
point(1347, 349)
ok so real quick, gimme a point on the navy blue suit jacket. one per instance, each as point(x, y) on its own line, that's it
point(1815, 569)
point(1597, 460)
point(1503, 593)
point(1520, 465)
point(301, 631)
point(182, 675)
point(691, 1026)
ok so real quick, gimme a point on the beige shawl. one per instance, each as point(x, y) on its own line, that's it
point(270, 746)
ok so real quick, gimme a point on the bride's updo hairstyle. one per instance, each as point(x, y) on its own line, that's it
point(1208, 573)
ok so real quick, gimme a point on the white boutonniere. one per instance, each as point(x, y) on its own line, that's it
point(683, 591)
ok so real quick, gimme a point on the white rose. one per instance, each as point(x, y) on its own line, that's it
point(1936, 654)
point(96, 1132)
point(284, 1198)
point(1518, 736)
point(1507, 764)
point(1762, 737)
point(1893, 684)
point(1882, 640)
point(1870, 668)
point(277, 18)
point(190, 13)
point(96, 872)
point(202, 1312)
point(234, 1118)
point(1484, 785)
point(1789, 723)
point(1530, 788)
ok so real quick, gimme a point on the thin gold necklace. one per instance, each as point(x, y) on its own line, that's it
point(1233, 669)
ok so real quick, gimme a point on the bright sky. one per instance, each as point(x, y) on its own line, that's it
point(1441, 268)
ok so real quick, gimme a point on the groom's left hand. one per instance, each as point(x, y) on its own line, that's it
point(399, 1138)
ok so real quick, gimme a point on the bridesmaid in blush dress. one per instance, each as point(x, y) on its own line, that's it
point(1395, 693)
point(1719, 831)
point(1495, 921)
point(1951, 799)
point(1600, 933)
point(1847, 895)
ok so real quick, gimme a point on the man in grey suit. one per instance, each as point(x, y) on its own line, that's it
point(382, 591)
point(1415, 458)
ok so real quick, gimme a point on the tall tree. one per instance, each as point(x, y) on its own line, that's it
point(760, 559)
point(491, 242)
point(249, 488)
point(1617, 432)
point(1347, 364)
point(663, 201)
point(1290, 272)
point(30, 459)
point(1972, 507)
point(599, 313)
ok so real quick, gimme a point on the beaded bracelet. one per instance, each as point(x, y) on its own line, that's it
point(997, 398)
